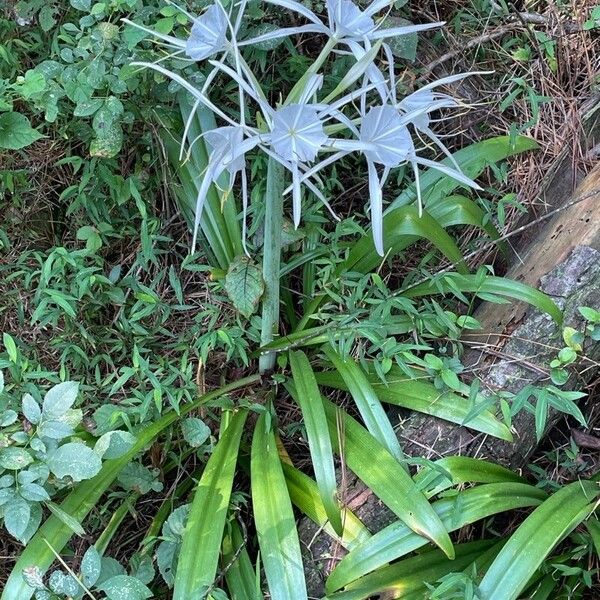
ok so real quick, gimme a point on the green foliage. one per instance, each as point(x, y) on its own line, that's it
point(98, 287)
point(38, 454)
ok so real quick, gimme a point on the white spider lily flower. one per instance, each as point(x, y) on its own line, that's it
point(418, 106)
point(384, 136)
point(226, 141)
point(297, 136)
point(297, 133)
point(209, 33)
point(386, 141)
point(346, 22)
point(227, 153)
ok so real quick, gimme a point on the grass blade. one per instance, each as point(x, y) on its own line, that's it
point(487, 285)
point(308, 397)
point(201, 544)
point(55, 534)
point(304, 493)
point(367, 402)
point(381, 472)
point(274, 518)
point(425, 398)
point(533, 541)
point(397, 539)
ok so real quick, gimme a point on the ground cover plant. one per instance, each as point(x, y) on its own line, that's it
point(146, 369)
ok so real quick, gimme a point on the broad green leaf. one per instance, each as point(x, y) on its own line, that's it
point(367, 402)
point(535, 538)
point(31, 409)
point(472, 160)
point(201, 545)
point(244, 285)
point(401, 228)
point(17, 513)
point(425, 398)
point(55, 534)
point(195, 431)
point(16, 131)
point(91, 565)
point(59, 399)
point(308, 397)
point(114, 444)
point(304, 493)
point(74, 460)
point(124, 587)
point(381, 472)
point(271, 264)
point(476, 284)
point(397, 539)
point(13, 458)
point(459, 210)
point(274, 518)
point(82, 5)
point(410, 575)
point(593, 527)
point(33, 492)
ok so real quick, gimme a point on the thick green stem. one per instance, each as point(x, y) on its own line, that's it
point(271, 260)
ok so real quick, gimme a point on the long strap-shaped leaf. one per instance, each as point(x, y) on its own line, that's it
point(533, 541)
point(476, 284)
point(201, 545)
point(410, 576)
point(381, 472)
point(274, 518)
point(239, 572)
point(304, 494)
point(401, 228)
point(367, 402)
point(55, 534)
point(456, 470)
point(308, 397)
point(425, 398)
point(397, 539)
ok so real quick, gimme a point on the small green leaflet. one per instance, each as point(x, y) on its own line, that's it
point(74, 460)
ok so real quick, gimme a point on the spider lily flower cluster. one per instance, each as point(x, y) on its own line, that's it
point(306, 134)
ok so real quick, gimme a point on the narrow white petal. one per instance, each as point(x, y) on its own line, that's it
point(381, 34)
point(296, 196)
point(376, 204)
point(448, 171)
point(186, 85)
point(283, 32)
